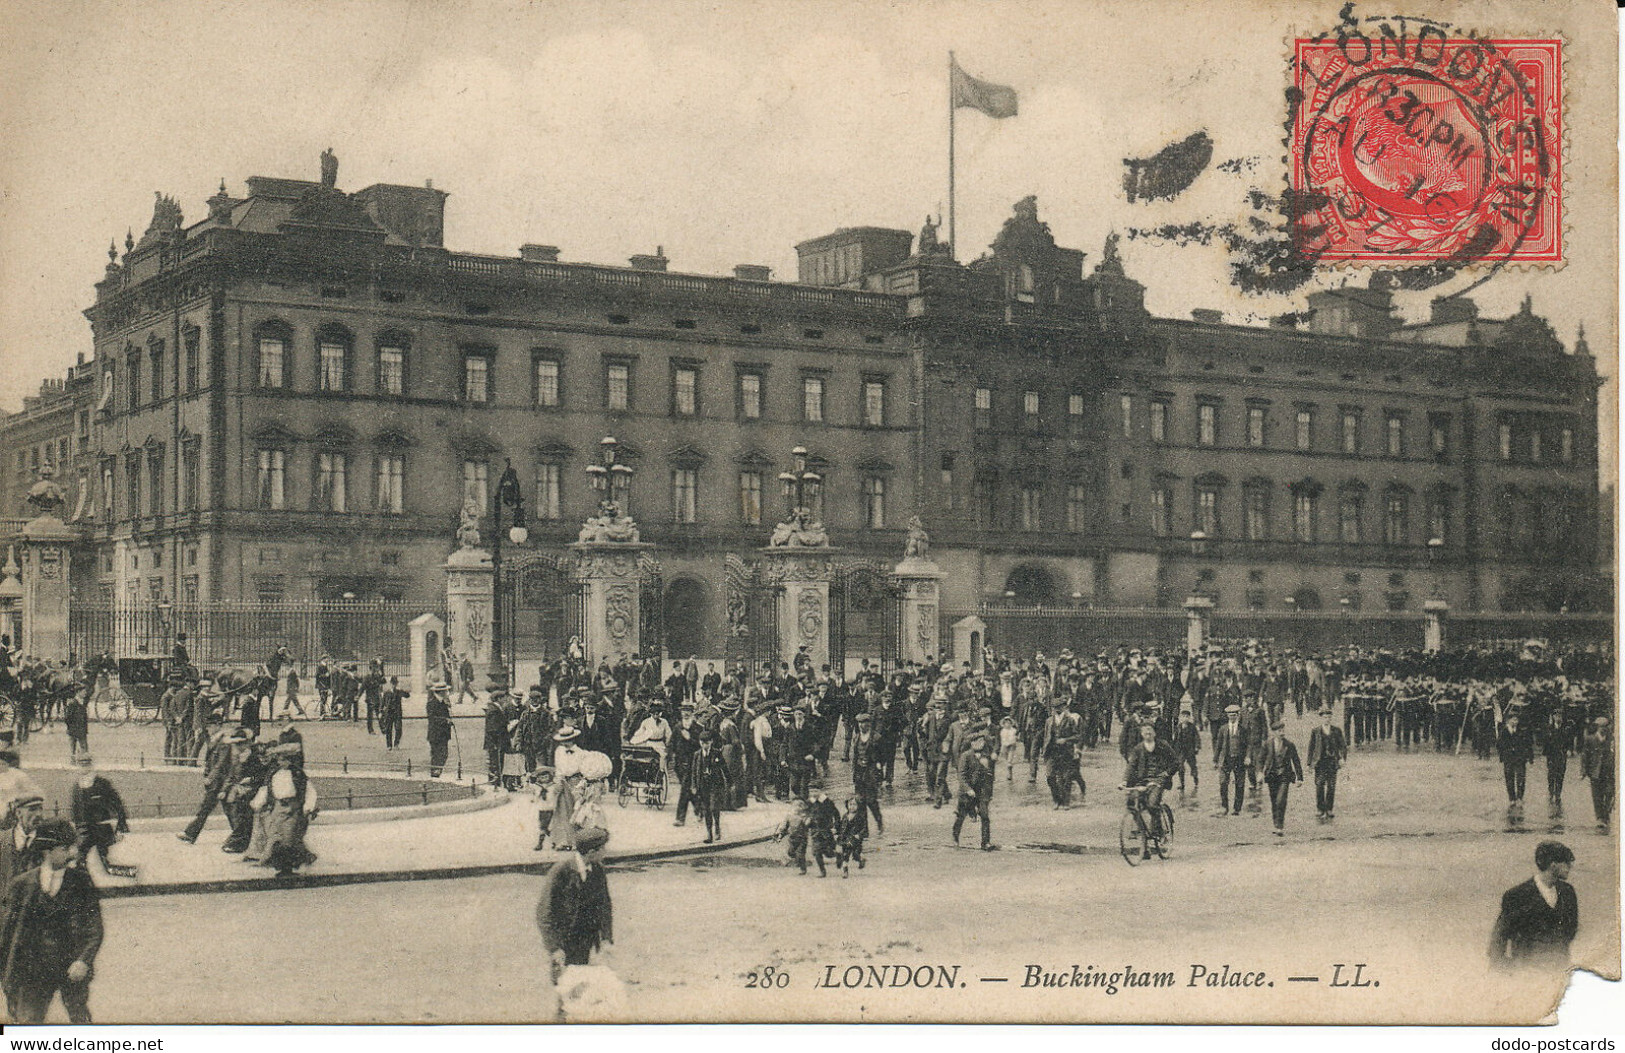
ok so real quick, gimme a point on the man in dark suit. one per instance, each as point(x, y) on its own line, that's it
point(1539, 918)
point(709, 779)
point(438, 714)
point(601, 733)
point(1597, 765)
point(1281, 768)
point(1327, 752)
point(216, 768)
point(575, 914)
point(680, 754)
point(976, 789)
point(50, 932)
point(1230, 757)
point(1516, 749)
point(1058, 742)
point(19, 850)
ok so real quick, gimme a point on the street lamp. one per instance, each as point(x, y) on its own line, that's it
point(506, 494)
point(610, 479)
point(797, 484)
point(165, 608)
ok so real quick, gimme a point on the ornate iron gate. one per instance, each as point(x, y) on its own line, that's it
point(651, 607)
point(752, 611)
point(542, 606)
point(864, 617)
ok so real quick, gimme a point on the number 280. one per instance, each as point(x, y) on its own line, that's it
point(767, 978)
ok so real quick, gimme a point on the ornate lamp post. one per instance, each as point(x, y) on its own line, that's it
point(610, 479)
point(506, 494)
point(796, 484)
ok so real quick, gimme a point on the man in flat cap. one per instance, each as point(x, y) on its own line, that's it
point(438, 713)
point(1280, 768)
point(18, 849)
point(50, 932)
point(1327, 754)
point(1597, 765)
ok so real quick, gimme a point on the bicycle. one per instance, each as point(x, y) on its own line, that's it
point(1133, 839)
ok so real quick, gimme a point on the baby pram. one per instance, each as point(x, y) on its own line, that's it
point(643, 777)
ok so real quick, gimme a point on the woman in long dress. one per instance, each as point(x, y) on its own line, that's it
point(567, 777)
point(289, 799)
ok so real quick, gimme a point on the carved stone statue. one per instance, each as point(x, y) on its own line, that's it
point(46, 497)
point(468, 530)
point(608, 525)
point(330, 168)
point(919, 542)
point(928, 238)
point(799, 531)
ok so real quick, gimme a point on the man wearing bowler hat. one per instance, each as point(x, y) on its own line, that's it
point(50, 932)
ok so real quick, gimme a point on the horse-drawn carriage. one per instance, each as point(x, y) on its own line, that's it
point(130, 688)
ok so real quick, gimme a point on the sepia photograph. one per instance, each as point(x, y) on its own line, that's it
point(827, 512)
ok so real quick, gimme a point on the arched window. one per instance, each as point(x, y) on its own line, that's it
point(273, 347)
point(333, 347)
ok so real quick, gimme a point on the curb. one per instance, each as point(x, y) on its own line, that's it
point(307, 881)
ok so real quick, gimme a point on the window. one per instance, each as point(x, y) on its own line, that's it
point(1256, 513)
point(475, 475)
point(477, 379)
point(547, 382)
point(1534, 445)
point(1439, 435)
point(1029, 405)
point(984, 409)
point(106, 403)
point(189, 588)
point(1162, 500)
point(1074, 415)
point(1350, 515)
point(189, 368)
point(155, 479)
point(1304, 516)
point(1396, 520)
point(391, 370)
point(1159, 421)
point(1439, 518)
point(1022, 283)
point(950, 494)
point(191, 475)
point(107, 489)
point(272, 492)
point(1207, 510)
point(273, 362)
point(132, 483)
point(1125, 406)
point(1351, 432)
point(331, 472)
point(1077, 507)
point(157, 372)
point(750, 396)
point(874, 502)
point(132, 371)
point(1505, 442)
point(617, 385)
point(391, 482)
point(685, 383)
point(548, 497)
point(1207, 424)
point(812, 399)
point(685, 485)
point(1304, 429)
point(1396, 435)
point(874, 403)
point(1565, 450)
point(750, 498)
point(1032, 507)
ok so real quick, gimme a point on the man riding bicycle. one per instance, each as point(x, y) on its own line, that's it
point(1151, 768)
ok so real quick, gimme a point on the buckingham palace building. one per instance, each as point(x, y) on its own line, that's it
point(290, 399)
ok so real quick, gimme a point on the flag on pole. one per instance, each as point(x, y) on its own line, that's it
point(995, 100)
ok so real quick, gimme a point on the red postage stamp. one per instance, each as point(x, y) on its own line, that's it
point(1420, 146)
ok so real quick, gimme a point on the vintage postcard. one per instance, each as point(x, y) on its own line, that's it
point(826, 511)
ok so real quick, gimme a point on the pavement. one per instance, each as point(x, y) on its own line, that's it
point(491, 832)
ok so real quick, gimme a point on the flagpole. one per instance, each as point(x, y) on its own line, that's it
point(953, 242)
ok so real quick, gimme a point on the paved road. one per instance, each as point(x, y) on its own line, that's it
point(1407, 881)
